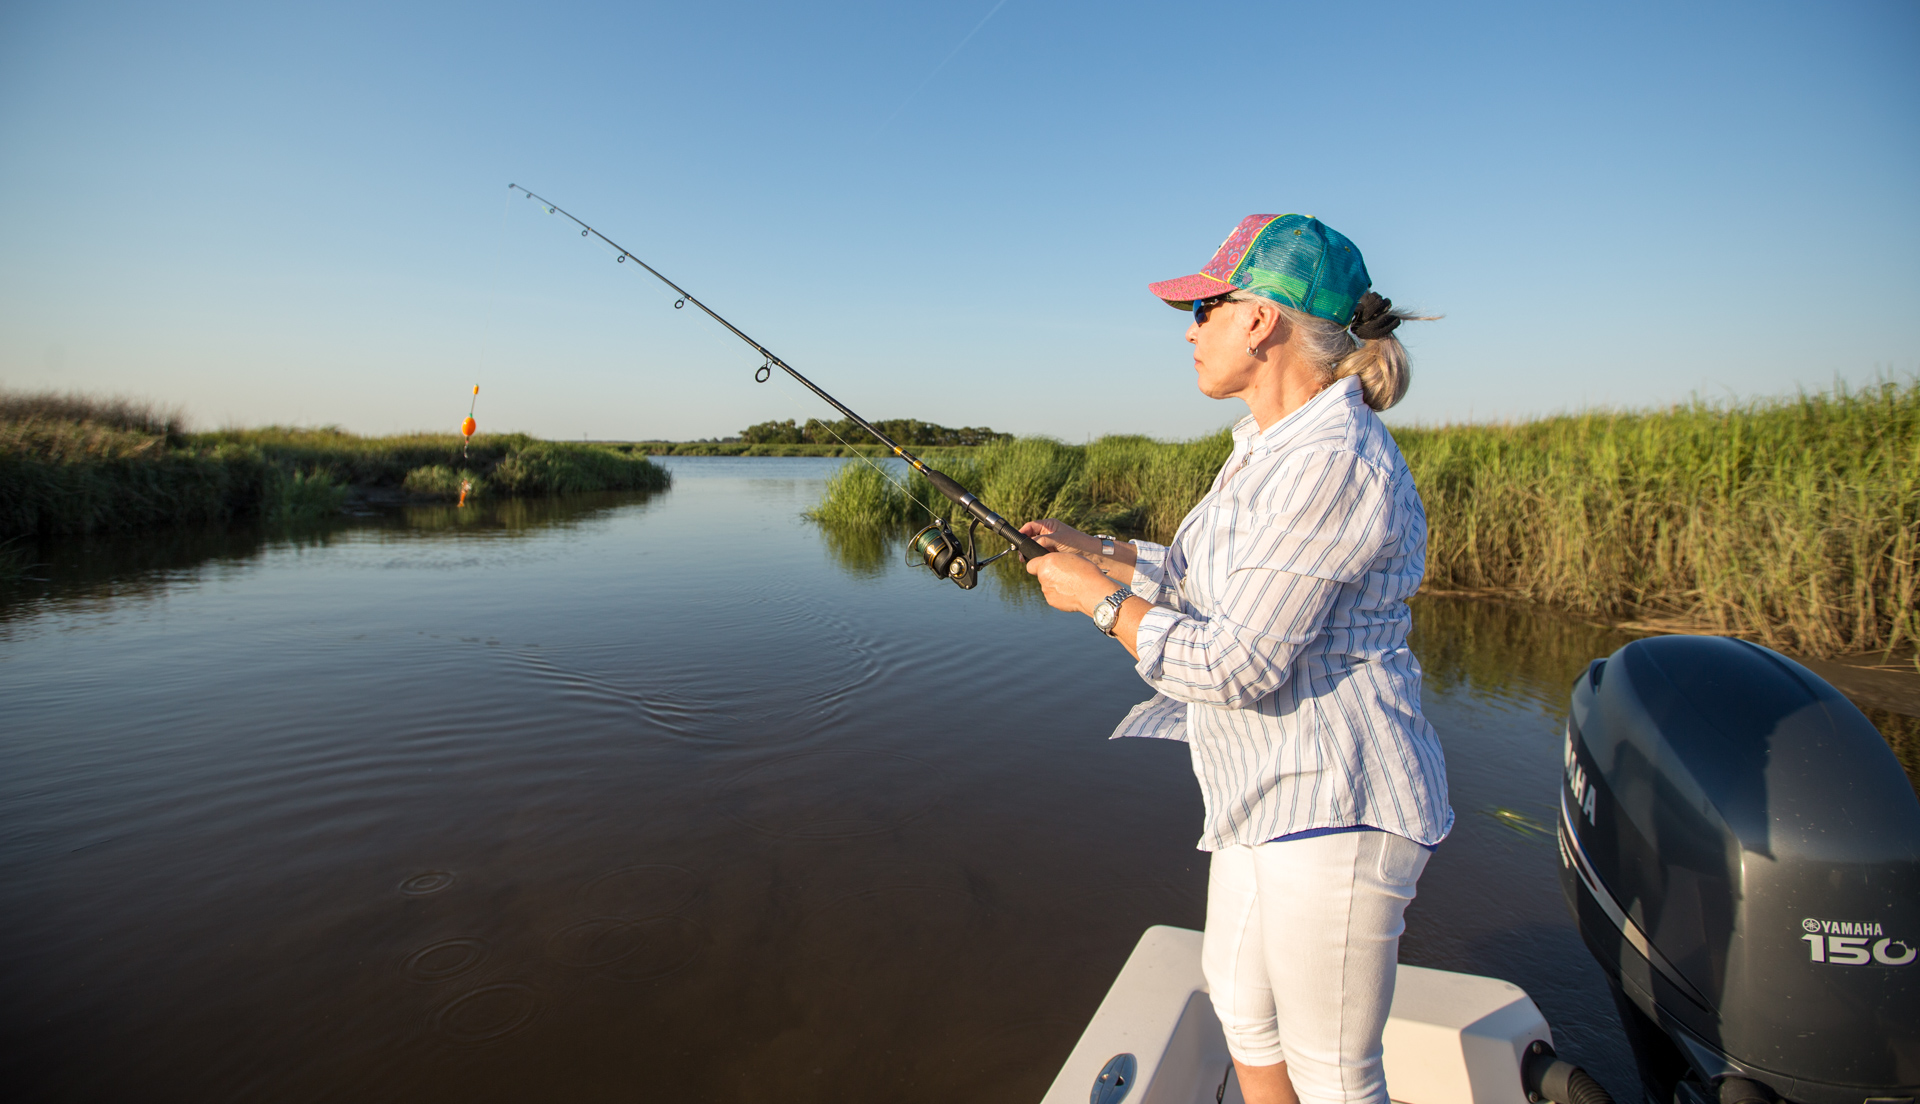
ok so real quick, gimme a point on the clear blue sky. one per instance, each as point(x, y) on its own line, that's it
point(299, 213)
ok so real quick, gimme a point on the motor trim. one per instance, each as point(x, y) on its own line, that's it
point(1576, 858)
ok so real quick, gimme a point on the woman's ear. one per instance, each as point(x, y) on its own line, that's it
point(1266, 322)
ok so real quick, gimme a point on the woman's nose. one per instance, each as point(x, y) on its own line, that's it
point(1193, 333)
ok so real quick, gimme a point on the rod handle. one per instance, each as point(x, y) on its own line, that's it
point(1006, 530)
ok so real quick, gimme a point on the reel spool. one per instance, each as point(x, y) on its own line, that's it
point(937, 549)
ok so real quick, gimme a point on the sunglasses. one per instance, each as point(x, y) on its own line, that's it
point(1203, 307)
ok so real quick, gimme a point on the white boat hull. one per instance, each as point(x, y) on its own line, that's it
point(1450, 1038)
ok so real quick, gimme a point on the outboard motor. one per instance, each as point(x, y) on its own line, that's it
point(1741, 851)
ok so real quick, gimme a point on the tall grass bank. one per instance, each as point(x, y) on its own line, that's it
point(70, 464)
point(1795, 522)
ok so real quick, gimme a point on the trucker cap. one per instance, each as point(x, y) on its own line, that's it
point(1294, 260)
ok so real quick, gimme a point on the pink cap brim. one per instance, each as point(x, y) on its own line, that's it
point(1183, 291)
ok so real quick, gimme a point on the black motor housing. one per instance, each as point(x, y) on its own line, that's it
point(1741, 851)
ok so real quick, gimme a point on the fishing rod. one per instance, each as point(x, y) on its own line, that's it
point(937, 546)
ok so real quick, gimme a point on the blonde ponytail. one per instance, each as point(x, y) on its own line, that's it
point(1383, 367)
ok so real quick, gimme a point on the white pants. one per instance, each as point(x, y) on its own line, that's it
point(1301, 944)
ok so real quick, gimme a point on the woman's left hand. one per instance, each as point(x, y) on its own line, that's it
point(1070, 583)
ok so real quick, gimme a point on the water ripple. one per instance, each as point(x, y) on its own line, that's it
point(445, 960)
point(431, 881)
point(487, 1013)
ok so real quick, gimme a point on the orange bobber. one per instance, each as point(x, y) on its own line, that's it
point(467, 427)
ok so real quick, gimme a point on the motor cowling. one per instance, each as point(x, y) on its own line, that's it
point(1741, 851)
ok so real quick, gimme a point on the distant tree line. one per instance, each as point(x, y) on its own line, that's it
point(904, 431)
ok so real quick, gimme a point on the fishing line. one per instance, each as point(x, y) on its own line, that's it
point(937, 545)
point(884, 473)
point(761, 374)
point(928, 79)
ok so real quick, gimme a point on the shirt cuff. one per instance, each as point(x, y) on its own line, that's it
point(1151, 640)
point(1149, 569)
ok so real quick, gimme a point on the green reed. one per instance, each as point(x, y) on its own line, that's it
point(1794, 521)
point(861, 497)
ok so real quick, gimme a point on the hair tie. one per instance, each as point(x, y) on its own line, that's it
point(1373, 317)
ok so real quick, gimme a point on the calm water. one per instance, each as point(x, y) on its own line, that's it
point(662, 798)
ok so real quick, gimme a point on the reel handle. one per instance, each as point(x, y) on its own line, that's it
point(1006, 530)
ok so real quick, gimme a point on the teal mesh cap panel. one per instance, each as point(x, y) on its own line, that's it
point(1307, 265)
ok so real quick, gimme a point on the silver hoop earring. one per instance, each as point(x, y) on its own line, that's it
point(1249, 350)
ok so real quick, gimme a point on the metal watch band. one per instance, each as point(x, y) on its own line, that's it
point(1106, 544)
point(1106, 617)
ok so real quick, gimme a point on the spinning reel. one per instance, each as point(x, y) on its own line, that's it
point(938, 549)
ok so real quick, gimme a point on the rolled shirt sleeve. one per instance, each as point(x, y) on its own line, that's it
point(1149, 570)
point(1222, 662)
point(1313, 522)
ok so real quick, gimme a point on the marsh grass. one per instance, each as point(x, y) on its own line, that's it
point(559, 467)
point(439, 481)
point(113, 412)
point(1794, 522)
point(71, 464)
point(301, 496)
point(860, 496)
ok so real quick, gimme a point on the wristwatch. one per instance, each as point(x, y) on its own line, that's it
point(1106, 544)
point(1107, 614)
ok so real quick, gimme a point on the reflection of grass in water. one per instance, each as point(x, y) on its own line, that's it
point(1498, 649)
point(1903, 735)
point(860, 549)
point(1519, 823)
point(86, 568)
point(16, 559)
point(513, 516)
point(1533, 654)
point(868, 552)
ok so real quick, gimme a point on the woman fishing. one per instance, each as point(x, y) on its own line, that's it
point(1273, 632)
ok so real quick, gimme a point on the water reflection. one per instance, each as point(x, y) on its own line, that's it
point(1516, 652)
point(1903, 734)
point(860, 551)
point(868, 553)
point(94, 569)
point(1506, 651)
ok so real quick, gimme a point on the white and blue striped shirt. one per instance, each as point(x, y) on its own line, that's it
point(1277, 645)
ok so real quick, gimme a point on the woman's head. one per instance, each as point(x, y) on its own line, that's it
point(1291, 281)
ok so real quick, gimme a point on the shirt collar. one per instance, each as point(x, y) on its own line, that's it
point(1248, 437)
